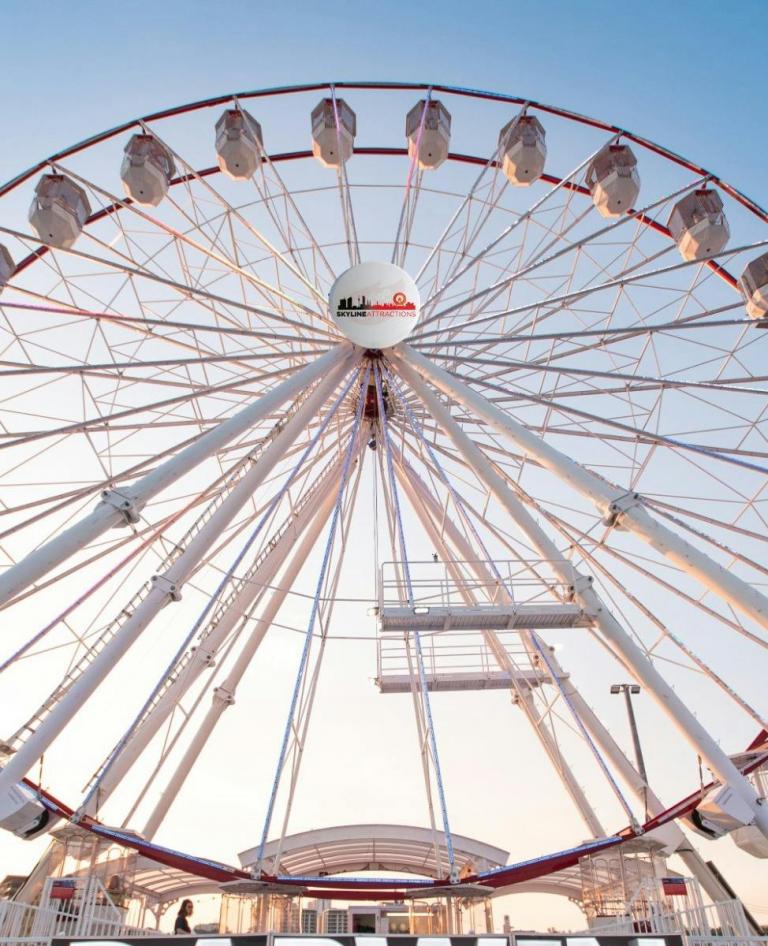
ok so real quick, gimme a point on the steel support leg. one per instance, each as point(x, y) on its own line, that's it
point(224, 695)
point(219, 629)
point(165, 588)
point(122, 505)
point(422, 502)
point(620, 642)
point(617, 505)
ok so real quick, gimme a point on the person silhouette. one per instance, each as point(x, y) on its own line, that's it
point(182, 923)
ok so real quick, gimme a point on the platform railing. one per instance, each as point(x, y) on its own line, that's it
point(433, 584)
point(25, 925)
point(714, 924)
point(459, 654)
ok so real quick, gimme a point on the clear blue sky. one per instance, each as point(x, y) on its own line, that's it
point(690, 75)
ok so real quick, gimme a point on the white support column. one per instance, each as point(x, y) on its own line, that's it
point(166, 587)
point(218, 629)
point(428, 512)
point(618, 506)
point(620, 642)
point(123, 504)
point(224, 695)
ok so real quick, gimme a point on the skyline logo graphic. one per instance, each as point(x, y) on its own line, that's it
point(376, 305)
point(361, 306)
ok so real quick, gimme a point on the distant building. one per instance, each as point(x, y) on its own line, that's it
point(10, 886)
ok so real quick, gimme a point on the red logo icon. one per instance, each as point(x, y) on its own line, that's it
point(362, 305)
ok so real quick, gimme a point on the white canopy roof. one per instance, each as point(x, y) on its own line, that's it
point(371, 847)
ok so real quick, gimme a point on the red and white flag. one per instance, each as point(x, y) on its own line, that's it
point(674, 887)
point(63, 889)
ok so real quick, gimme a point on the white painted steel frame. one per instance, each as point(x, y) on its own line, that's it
point(220, 625)
point(166, 587)
point(123, 505)
point(618, 506)
point(613, 633)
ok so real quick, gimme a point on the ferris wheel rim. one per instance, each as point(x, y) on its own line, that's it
point(373, 151)
point(482, 94)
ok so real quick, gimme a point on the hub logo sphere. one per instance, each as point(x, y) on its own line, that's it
point(375, 305)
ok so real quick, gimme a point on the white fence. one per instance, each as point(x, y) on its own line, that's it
point(715, 924)
point(88, 911)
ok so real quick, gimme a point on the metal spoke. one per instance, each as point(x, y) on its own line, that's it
point(578, 419)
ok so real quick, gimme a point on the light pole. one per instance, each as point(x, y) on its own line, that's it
point(629, 690)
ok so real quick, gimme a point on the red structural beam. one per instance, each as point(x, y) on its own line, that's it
point(385, 889)
point(458, 91)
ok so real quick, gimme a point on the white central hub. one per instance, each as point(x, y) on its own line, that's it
point(376, 305)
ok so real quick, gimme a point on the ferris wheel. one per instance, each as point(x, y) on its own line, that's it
point(498, 380)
